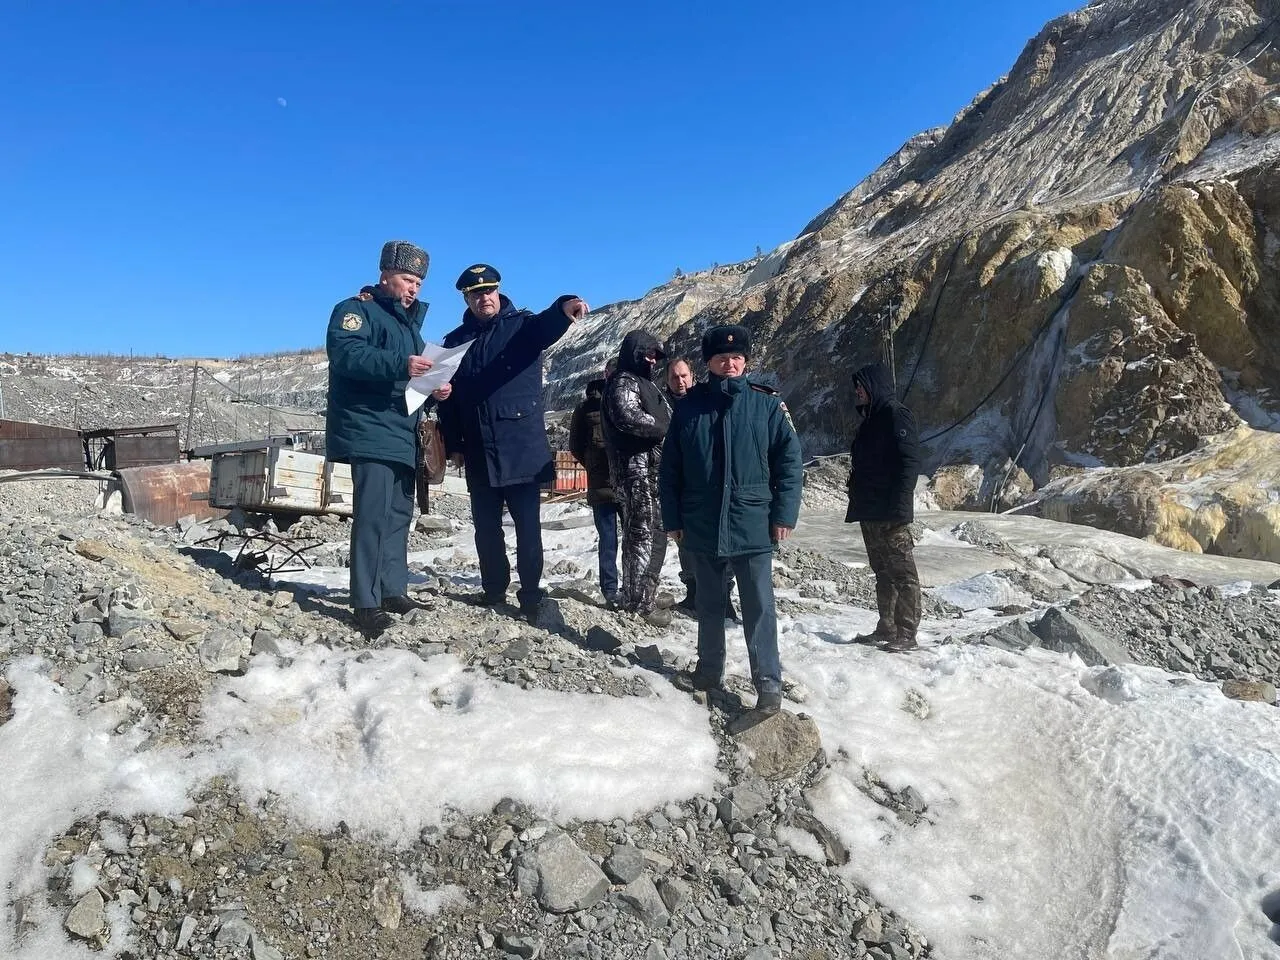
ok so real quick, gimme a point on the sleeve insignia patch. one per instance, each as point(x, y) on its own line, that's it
point(352, 321)
point(787, 413)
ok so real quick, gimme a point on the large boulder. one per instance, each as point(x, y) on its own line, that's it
point(780, 746)
point(1061, 632)
point(567, 879)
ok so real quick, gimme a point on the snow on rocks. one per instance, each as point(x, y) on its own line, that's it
point(473, 780)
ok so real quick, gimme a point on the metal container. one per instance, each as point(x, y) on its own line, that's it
point(114, 448)
point(38, 446)
point(164, 493)
point(280, 479)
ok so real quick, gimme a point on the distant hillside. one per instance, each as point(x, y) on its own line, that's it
point(233, 399)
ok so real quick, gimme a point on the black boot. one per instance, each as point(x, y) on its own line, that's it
point(372, 622)
point(768, 703)
point(901, 643)
point(403, 604)
point(689, 603)
point(873, 638)
point(695, 679)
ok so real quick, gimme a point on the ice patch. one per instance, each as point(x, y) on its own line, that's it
point(982, 591)
point(427, 903)
point(1236, 588)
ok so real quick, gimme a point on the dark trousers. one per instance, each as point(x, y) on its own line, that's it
point(890, 552)
point(690, 580)
point(381, 511)
point(606, 517)
point(523, 500)
point(759, 616)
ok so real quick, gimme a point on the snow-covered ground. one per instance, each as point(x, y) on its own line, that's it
point(1073, 811)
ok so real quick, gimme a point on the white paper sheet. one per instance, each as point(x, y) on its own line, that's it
point(445, 362)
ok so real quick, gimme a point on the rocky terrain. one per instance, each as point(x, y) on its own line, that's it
point(144, 622)
point(1079, 279)
point(140, 624)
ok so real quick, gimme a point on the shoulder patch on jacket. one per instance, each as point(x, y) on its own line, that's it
point(352, 321)
point(787, 413)
point(364, 296)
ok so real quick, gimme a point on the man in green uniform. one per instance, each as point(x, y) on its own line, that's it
point(375, 346)
point(730, 486)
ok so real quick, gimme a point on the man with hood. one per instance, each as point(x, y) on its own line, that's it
point(586, 443)
point(374, 345)
point(731, 479)
point(493, 425)
point(635, 418)
point(884, 464)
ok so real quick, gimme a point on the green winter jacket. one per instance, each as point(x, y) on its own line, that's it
point(370, 340)
point(731, 468)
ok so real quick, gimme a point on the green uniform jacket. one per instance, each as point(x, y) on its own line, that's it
point(370, 340)
point(731, 467)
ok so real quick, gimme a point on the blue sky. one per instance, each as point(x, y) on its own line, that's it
point(208, 178)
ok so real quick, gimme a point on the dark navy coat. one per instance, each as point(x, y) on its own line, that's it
point(494, 415)
point(731, 468)
point(369, 342)
point(885, 456)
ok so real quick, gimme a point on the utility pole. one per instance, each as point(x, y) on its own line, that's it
point(191, 407)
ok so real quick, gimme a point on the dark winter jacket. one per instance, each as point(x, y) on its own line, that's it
point(370, 340)
point(885, 457)
point(636, 415)
point(731, 468)
point(586, 443)
point(494, 415)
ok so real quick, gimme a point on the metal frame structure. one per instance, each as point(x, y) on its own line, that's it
point(257, 546)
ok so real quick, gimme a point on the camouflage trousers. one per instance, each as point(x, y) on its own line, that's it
point(890, 553)
point(644, 543)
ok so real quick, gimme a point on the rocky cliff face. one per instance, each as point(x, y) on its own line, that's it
point(1080, 270)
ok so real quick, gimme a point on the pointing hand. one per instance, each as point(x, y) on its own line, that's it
point(576, 308)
